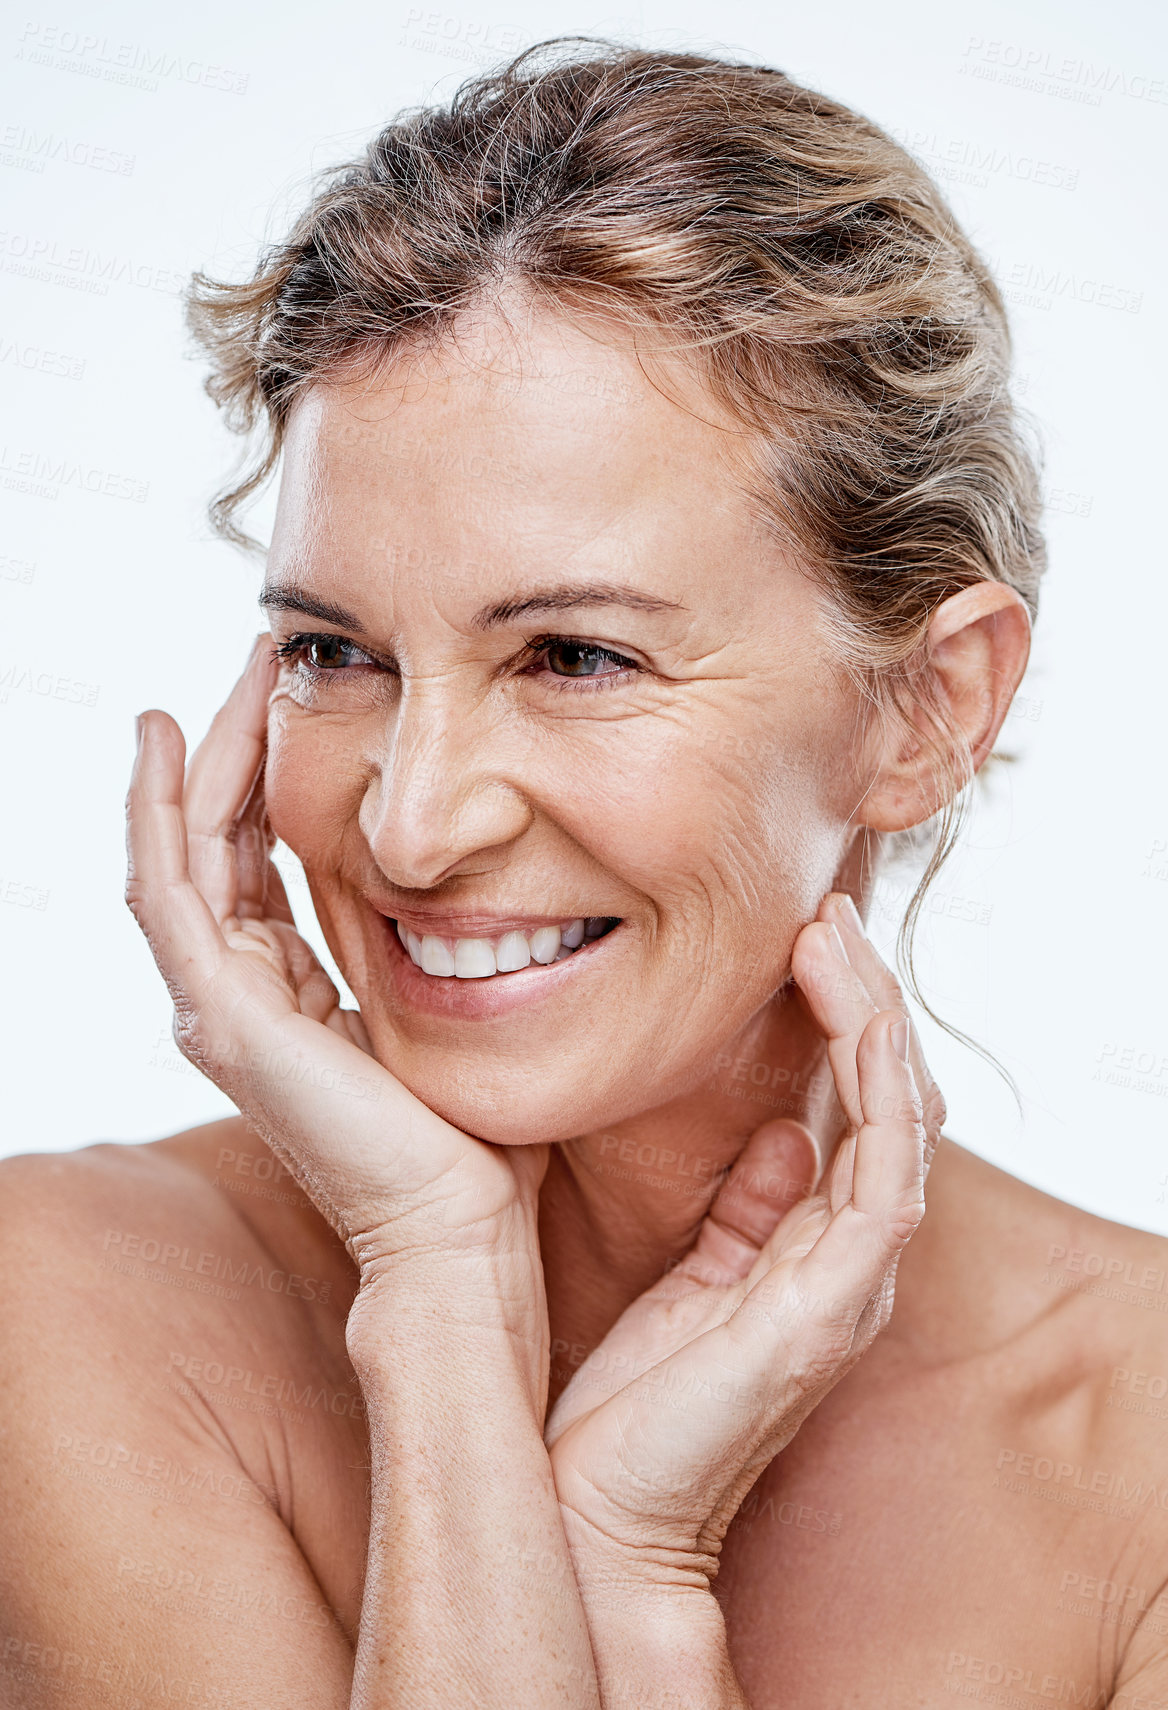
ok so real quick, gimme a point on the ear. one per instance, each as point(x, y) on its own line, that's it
point(976, 649)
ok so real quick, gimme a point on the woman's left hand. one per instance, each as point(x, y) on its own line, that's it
point(708, 1376)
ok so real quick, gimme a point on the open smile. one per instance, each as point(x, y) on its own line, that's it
point(508, 953)
point(486, 977)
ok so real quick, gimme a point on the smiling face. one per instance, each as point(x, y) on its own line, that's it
point(542, 667)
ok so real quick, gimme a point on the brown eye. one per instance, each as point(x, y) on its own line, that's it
point(577, 659)
point(326, 652)
point(307, 654)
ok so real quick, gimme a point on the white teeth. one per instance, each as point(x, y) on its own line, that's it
point(480, 958)
point(512, 953)
point(545, 941)
point(473, 959)
point(436, 958)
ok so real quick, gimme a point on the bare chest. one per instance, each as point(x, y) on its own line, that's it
point(928, 1543)
point(939, 1544)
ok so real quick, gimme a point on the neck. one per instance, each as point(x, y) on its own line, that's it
point(619, 1206)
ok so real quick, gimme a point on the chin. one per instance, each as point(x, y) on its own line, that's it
point(517, 1107)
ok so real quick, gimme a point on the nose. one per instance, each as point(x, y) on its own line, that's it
point(439, 790)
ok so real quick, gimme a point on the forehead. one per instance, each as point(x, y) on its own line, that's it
point(525, 441)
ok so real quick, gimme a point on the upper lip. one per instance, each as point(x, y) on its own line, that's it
point(450, 923)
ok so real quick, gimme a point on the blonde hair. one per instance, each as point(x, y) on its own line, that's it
point(806, 264)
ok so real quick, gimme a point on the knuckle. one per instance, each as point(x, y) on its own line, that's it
point(138, 900)
point(187, 1034)
point(935, 1108)
point(194, 1039)
point(904, 1219)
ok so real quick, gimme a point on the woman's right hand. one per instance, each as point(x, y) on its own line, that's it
point(448, 1332)
point(256, 1012)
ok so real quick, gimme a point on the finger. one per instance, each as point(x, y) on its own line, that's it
point(183, 933)
point(839, 1187)
point(882, 984)
point(777, 1167)
point(840, 1003)
point(348, 1023)
point(883, 987)
point(221, 777)
point(260, 892)
point(847, 1265)
point(316, 994)
point(888, 1174)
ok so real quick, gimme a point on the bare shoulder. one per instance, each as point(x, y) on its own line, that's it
point(185, 1213)
point(1037, 1247)
point(160, 1342)
point(158, 1269)
point(92, 1247)
point(1062, 1314)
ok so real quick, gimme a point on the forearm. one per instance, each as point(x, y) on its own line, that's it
point(470, 1597)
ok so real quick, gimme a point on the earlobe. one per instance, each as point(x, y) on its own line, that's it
point(975, 653)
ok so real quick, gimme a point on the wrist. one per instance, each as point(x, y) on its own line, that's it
point(659, 1648)
point(658, 1634)
point(442, 1317)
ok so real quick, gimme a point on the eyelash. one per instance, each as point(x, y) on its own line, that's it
point(288, 652)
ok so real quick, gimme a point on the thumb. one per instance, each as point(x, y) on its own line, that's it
point(778, 1166)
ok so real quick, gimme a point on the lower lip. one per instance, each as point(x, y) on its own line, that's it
point(495, 995)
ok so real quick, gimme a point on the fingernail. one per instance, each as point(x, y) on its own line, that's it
point(851, 913)
point(837, 945)
point(138, 729)
point(899, 1035)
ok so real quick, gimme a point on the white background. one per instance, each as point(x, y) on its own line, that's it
point(142, 142)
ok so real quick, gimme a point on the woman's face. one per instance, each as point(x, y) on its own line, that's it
point(543, 668)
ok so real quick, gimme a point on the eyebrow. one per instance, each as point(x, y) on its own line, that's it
point(275, 599)
point(559, 598)
point(566, 597)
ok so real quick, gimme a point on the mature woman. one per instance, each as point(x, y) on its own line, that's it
point(654, 543)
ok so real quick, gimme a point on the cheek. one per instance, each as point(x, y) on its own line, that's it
point(741, 827)
point(311, 785)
